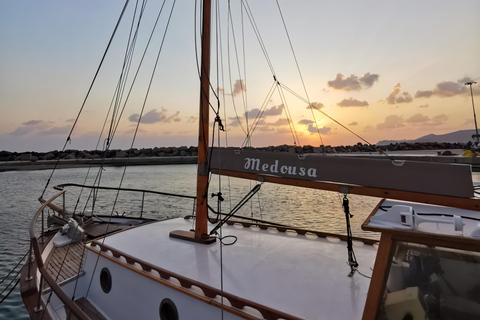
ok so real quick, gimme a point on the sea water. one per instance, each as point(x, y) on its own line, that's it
point(299, 207)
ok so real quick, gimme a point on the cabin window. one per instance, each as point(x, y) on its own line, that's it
point(106, 280)
point(431, 282)
point(168, 310)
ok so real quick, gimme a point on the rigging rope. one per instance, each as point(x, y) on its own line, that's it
point(352, 260)
point(88, 94)
point(15, 277)
point(240, 204)
point(136, 131)
point(298, 69)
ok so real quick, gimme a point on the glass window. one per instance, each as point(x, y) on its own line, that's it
point(431, 283)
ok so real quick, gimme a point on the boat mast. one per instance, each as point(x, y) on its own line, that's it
point(202, 170)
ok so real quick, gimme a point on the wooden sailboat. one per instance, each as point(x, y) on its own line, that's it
point(125, 268)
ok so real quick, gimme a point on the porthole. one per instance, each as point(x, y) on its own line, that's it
point(106, 280)
point(168, 310)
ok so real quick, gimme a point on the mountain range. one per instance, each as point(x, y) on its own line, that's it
point(452, 137)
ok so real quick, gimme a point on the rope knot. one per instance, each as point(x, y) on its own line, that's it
point(219, 195)
point(220, 124)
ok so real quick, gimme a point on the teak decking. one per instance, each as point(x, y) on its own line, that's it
point(65, 262)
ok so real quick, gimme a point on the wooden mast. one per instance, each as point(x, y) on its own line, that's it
point(202, 173)
point(201, 227)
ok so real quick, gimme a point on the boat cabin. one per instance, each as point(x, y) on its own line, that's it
point(427, 262)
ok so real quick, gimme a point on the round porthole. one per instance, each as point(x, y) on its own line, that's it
point(168, 310)
point(106, 280)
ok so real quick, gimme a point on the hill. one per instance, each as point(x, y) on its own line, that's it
point(458, 136)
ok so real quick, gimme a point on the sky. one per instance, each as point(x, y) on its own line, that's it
point(384, 70)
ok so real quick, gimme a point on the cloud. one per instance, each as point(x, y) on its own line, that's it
point(154, 116)
point(30, 127)
point(465, 80)
point(368, 128)
point(305, 121)
point(352, 103)
point(420, 119)
point(449, 89)
point(353, 83)
point(391, 121)
point(316, 105)
point(273, 111)
point(354, 123)
point(33, 122)
point(252, 114)
point(40, 128)
point(192, 119)
point(446, 89)
point(235, 122)
point(324, 130)
point(417, 118)
point(56, 130)
point(423, 94)
point(238, 87)
point(261, 122)
point(369, 79)
point(439, 120)
point(283, 130)
point(279, 122)
point(265, 128)
point(22, 131)
point(399, 97)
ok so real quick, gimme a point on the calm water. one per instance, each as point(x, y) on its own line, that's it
point(312, 209)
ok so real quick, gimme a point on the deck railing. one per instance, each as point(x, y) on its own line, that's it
point(36, 245)
point(70, 306)
point(142, 191)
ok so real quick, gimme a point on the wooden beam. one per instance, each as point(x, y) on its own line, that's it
point(201, 226)
point(449, 201)
point(379, 277)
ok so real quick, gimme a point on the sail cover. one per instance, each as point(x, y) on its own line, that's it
point(414, 176)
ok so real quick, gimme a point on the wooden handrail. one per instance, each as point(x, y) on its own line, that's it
point(68, 303)
point(210, 292)
point(301, 231)
point(61, 187)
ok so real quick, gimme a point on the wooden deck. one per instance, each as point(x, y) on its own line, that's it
point(65, 262)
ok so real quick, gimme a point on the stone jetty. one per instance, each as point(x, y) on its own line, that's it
point(184, 155)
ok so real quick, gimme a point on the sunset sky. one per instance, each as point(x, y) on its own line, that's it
point(386, 70)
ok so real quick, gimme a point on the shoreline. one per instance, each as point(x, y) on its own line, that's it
point(26, 165)
point(85, 163)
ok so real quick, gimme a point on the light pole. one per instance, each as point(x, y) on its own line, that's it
point(470, 83)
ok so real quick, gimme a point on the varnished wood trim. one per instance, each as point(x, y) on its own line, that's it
point(68, 303)
point(210, 293)
point(449, 201)
point(190, 236)
point(367, 221)
point(379, 277)
point(301, 231)
point(430, 239)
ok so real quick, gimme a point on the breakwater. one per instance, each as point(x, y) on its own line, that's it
point(188, 155)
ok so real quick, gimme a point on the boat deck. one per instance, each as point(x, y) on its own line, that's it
point(65, 262)
point(302, 275)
